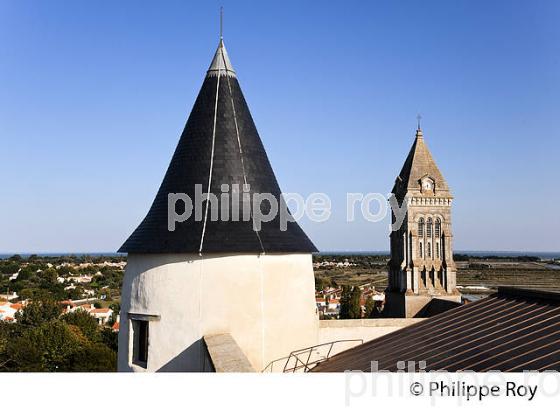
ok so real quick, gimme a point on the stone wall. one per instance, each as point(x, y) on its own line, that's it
point(225, 355)
point(364, 329)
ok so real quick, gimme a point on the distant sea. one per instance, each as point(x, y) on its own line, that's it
point(542, 255)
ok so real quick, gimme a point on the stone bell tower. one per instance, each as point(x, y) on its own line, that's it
point(421, 266)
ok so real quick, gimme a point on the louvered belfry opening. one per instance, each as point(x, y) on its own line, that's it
point(219, 145)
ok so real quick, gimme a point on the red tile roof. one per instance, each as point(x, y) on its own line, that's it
point(101, 310)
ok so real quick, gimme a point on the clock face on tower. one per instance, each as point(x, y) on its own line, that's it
point(427, 185)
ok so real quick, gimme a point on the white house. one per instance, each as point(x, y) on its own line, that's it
point(102, 315)
point(8, 310)
point(9, 296)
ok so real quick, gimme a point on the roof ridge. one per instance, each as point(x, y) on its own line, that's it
point(511, 291)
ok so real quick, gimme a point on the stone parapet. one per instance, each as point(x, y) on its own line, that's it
point(225, 354)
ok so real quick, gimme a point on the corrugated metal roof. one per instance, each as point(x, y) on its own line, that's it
point(511, 331)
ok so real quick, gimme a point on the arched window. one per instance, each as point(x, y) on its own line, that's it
point(421, 227)
point(421, 251)
point(429, 250)
point(438, 228)
point(429, 227)
point(437, 249)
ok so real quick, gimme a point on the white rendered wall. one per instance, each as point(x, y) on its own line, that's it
point(266, 302)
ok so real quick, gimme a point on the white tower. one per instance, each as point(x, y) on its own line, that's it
point(212, 275)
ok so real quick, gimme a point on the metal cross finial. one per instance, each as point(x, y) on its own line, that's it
point(221, 22)
point(418, 118)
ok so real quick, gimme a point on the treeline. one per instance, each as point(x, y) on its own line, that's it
point(323, 283)
point(375, 260)
point(43, 340)
point(36, 279)
point(523, 258)
point(363, 261)
point(67, 258)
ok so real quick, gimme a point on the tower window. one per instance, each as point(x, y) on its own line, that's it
point(421, 250)
point(437, 250)
point(438, 228)
point(421, 227)
point(140, 335)
point(429, 250)
point(429, 227)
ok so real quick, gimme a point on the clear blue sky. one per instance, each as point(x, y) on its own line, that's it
point(94, 96)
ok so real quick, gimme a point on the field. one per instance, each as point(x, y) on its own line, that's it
point(474, 275)
point(494, 273)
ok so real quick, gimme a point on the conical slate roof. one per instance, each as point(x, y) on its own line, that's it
point(419, 164)
point(219, 145)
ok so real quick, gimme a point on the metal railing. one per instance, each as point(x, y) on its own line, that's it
point(304, 359)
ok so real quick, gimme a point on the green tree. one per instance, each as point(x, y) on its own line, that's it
point(38, 312)
point(25, 274)
point(116, 308)
point(27, 293)
point(95, 357)
point(75, 293)
point(370, 305)
point(55, 346)
point(49, 347)
point(66, 271)
point(85, 322)
point(345, 302)
point(49, 275)
point(355, 309)
point(350, 303)
point(9, 267)
point(4, 339)
point(319, 283)
point(110, 338)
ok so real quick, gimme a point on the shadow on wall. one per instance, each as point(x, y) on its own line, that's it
point(194, 358)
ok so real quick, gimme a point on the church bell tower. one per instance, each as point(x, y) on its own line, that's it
point(421, 266)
